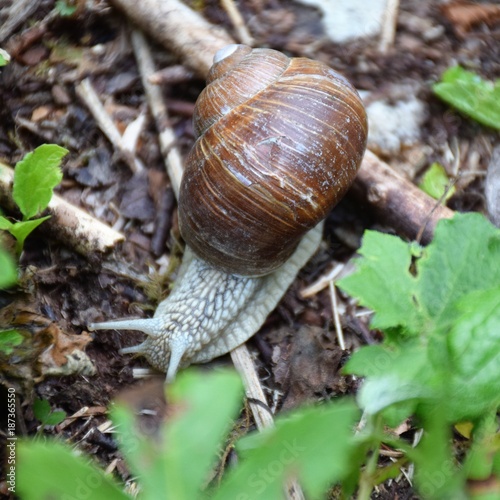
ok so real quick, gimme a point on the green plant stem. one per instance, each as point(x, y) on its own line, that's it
point(366, 480)
point(19, 248)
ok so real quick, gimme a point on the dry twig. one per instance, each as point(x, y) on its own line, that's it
point(180, 29)
point(322, 282)
point(388, 32)
point(69, 224)
point(171, 155)
point(88, 95)
point(238, 22)
point(336, 315)
point(398, 201)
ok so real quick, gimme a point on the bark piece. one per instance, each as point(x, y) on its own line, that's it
point(405, 207)
point(179, 29)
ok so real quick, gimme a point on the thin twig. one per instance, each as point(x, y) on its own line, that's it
point(238, 22)
point(171, 155)
point(336, 316)
point(172, 75)
point(88, 95)
point(388, 32)
point(322, 282)
point(243, 362)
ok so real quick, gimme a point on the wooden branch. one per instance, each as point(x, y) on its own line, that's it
point(245, 366)
point(399, 202)
point(68, 224)
point(388, 32)
point(238, 22)
point(180, 29)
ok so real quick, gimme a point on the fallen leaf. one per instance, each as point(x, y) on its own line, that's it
point(464, 15)
point(34, 55)
point(45, 349)
point(307, 366)
point(40, 113)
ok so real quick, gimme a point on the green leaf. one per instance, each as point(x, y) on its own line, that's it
point(178, 464)
point(462, 257)
point(64, 9)
point(35, 177)
point(383, 281)
point(21, 230)
point(436, 475)
point(470, 94)
point(451, 305)
point(4, 57)
point(8, 270)
point(485, 450)
point(474, 341)
point(436, 183)
point(474, 347)
point(41, 409)
point(5, 224)
point(404, 380)
point(43, 412)
point(8, 340)
point(314, 444)
point(52, 470)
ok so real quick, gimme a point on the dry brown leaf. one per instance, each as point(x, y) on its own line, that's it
point(40, 113)
point(464, 15)
point(307, 367)
point(84, 412)
point(403, 427)
point(46, 349)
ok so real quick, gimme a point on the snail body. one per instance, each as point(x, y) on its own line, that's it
point(280, 142)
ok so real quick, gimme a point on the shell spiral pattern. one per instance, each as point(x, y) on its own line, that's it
point(280, 142)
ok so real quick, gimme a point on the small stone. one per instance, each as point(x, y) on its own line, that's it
point(347, 20)
point(394, 125)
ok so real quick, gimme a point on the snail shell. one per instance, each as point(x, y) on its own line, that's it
point(280, 142)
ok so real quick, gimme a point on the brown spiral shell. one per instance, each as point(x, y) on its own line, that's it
point(280, 142)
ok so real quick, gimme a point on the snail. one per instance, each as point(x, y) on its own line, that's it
point(279, 143)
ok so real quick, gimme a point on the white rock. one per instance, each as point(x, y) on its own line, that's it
point(392, 126)
point(346, 20)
